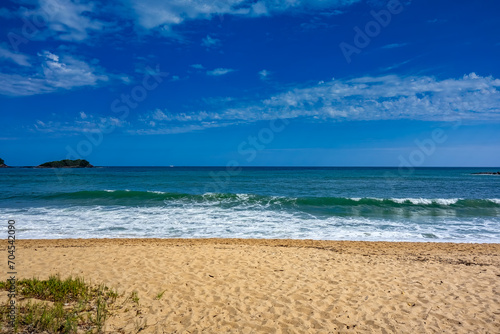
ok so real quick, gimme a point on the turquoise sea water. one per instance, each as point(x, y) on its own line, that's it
point(421, 204)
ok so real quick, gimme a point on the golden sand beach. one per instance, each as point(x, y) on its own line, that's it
point(282, 286)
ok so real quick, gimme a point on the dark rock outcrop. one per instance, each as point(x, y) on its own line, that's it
point(67, 164)
point(487, 173)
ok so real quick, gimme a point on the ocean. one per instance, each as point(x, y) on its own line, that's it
point(373, 204)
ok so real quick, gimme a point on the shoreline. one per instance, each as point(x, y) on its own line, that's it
point(269, 241)
point(280, 285)
point(255, 241)
point(316, 243)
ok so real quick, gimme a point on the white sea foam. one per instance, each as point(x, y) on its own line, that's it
point(206, 221)
point(243, 198)
point(412, 200)
point(441, 201)
point(447, 201)
point(426, 201)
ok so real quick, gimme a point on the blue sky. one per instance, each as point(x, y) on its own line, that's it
point(262, 82)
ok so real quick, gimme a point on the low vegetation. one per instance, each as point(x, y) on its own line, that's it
point(57, 306)
point(158, 296)
point(79, 163)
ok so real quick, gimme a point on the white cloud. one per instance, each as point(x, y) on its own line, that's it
point(394, 97)
point(210, 42)
point(56, 72)
point(264, 74)
point(365, 98)
point(317, 22)
point(66, 19)
point(397, 65)
point(76, 20)
point(220, 71)
point(394, 45)
point(125, 79)
point(159, 115)
point(333, 12)
point(197, 66)
point(152, 14)
point(164, 122)
point(18, 85)
point(175, 129)
point(69, 72)
point(18, 58)
point(82, 124)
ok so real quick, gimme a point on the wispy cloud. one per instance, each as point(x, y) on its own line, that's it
point(334, 12)
point(151, 14)
point(167, 129)
point(76, 21)
point(83, 123)
point(68, 72)
point(387, 97)
point(210, 42)
point(317, 22)
point(55, 73)
point(393, 97)
point(197, 66)
point(18, 85)
point(436, 21)
point(18, 58)
point(264, 74)
point(397, 65)
point(220, 71)
point(66, 19)
point(394, 45)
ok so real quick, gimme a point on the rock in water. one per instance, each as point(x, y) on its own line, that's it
point(67, 164)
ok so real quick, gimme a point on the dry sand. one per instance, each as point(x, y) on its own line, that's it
point(282, 286)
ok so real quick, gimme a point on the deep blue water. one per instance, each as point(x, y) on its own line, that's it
point(422, 204)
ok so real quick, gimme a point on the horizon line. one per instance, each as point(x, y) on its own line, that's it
point(235, 167)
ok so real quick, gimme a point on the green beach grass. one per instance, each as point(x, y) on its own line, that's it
point(58, 306)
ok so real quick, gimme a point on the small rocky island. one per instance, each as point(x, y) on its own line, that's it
point(2, 164)
point(79, 163)
point(486, 173)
